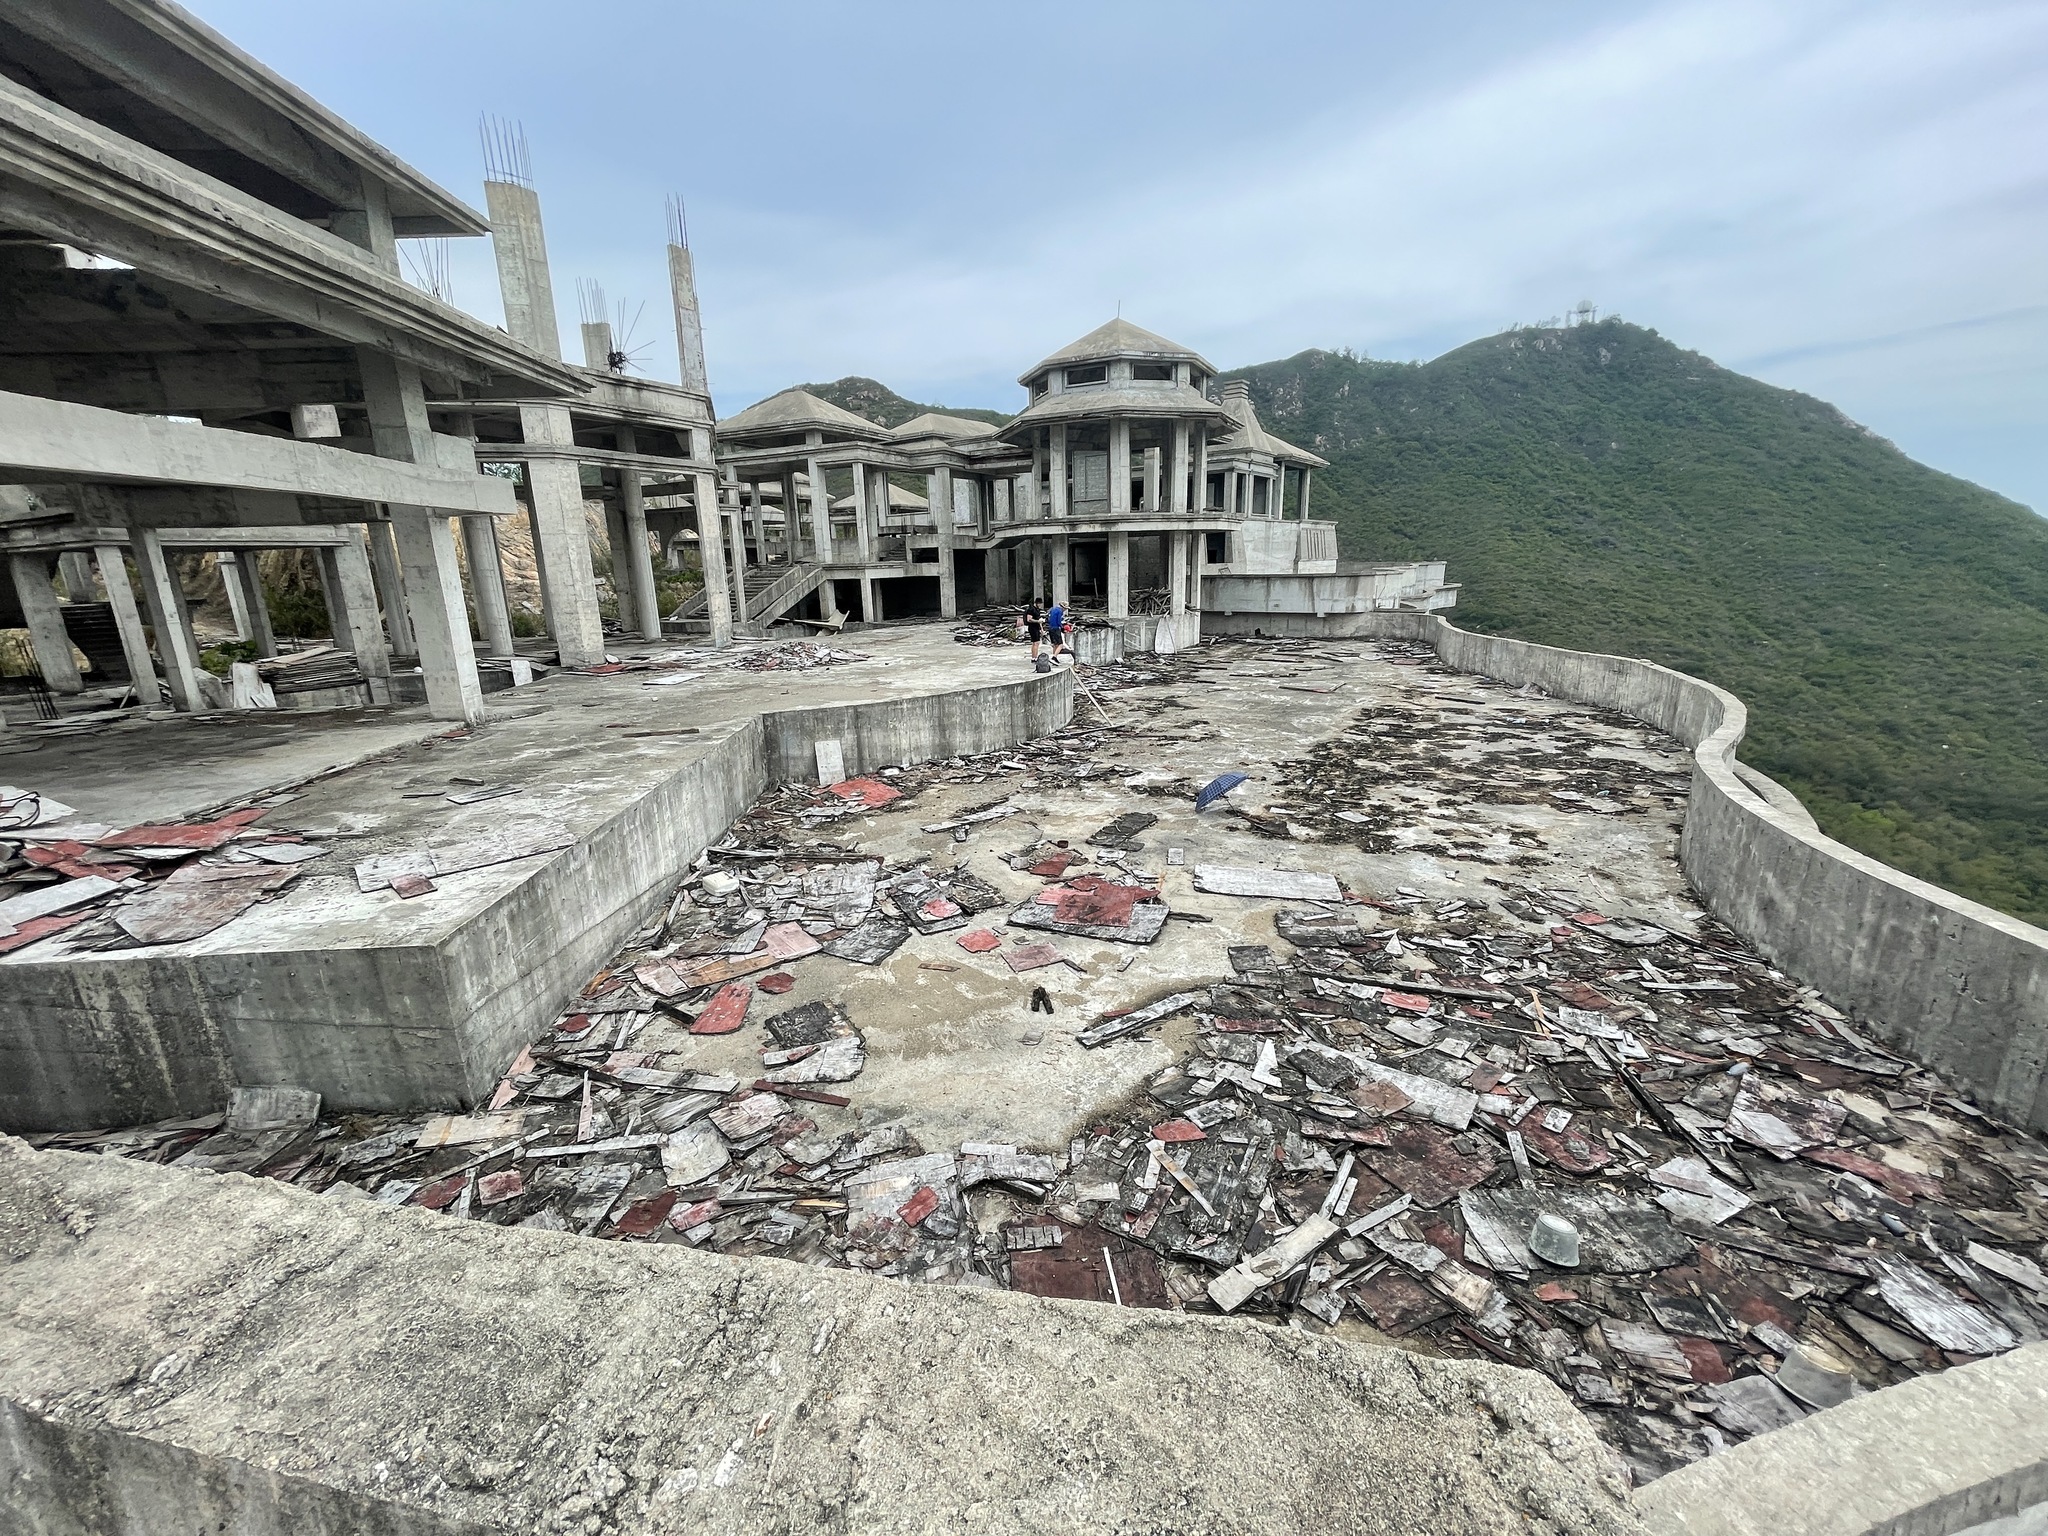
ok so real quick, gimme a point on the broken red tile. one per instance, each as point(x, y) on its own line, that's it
point(978, 941)
point(919, 1205)
point(1420, 1160)
point(1178, 1130)
point(507, 1091)
point(872, 793)
point(1094, 900)
point(497, 1188)
point(787, 941)
point(618, 1061)
point(575, 1024)
point(1053, 865)
point(1396, 1303)
point(64, 857)
point(1029, 957)
point(442, 1193)
point(775, 983)
point(726, 1011)
point(812, 1095)
point(1552, 1290)
point(1901, 1185)
point(27, 932)
point(643, 1216)
point(1407, 1002)
point(1378, 1098)
point(196, 835)
point(1249, 1026)
point(1568, 1149)
point(938, 909)
point(694, 1215)
point(1590, 919)
point(1704, 1356)
point(406, 886)
point(1578, 995)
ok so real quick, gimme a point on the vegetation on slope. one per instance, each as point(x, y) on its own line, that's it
point(882, 405)
point(1599, 488)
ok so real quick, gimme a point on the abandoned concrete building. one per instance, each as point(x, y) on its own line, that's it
point(765, 1058)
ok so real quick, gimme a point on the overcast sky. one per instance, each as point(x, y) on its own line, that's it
point(1849, 199)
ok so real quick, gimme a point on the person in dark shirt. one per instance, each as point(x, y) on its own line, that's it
point(1033, 620)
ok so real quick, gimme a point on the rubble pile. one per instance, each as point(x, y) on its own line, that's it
point(794, 656)
point(156, 884)
point(1501, 1123)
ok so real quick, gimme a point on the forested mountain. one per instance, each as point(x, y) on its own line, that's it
point(1600, 488)
point(883, 406)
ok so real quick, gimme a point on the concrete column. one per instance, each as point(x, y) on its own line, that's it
point(345, 572)
point(1120, 573)
point(871, 600)
point(878, 487)
point(562, 539)
point(1062, 570)
point(1059, 470)
point(390, 594)
point(1302, 510)
point(737, 532)
point(821, 536)
point(622, 570)
point(174, 642)
point(440, 621)
point(1037, 593)
point(1201, 485)
point(520, 245)
point(682, 288)
point(76, 569)
point(487, 584)
point(747, 496)
point(1154, 469)
point(1178, 473)
point(44, 616)
point(939, 487)
point(639, 562)
point(127, 622)
point(255, 604)
point(1120, 467)
point(863, 542)
point(229, 568)
point(1177, 574)
point(540, 555)
point(1031, 505)
point(711, 552)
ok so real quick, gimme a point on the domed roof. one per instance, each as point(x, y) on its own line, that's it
point(1119, 338)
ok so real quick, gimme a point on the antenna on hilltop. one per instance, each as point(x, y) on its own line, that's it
point(505, 153)
point(1583, 313)
point(678, 222)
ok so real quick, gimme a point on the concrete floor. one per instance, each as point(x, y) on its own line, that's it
point(576, 746)
point(955, 1054)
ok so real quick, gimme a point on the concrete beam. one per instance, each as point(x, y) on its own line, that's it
point(57, 440)
point(72, 179)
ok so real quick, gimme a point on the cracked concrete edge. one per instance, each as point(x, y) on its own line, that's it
point(1924, 1458)
point(525, 1380)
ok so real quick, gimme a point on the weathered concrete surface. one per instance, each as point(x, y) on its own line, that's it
point(955, 1054)
point(1944, 980)
point(1925, 1458)
point(377, 1002)
point(532, 1382)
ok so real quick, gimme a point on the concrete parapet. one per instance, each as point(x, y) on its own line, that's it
point(1928, 1457)
point(378, 1007)
point(244, 1355)
point(1947, 981)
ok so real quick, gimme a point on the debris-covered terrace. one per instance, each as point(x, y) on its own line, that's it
point(1325, 1053)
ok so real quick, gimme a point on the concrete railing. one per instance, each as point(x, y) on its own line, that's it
point(1942, 979)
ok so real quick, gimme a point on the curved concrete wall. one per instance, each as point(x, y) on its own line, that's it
point(1942, 979)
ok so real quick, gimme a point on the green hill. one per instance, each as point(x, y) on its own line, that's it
point(882, 405)
point(1597, 487)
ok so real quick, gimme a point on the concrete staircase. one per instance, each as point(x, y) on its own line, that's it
point(772, 590)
